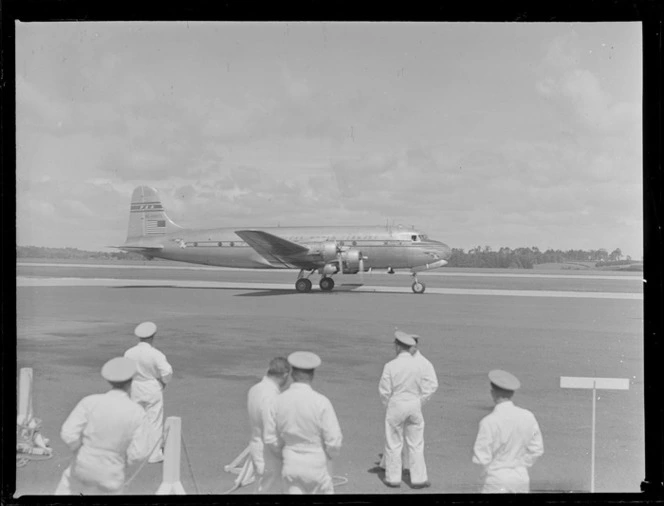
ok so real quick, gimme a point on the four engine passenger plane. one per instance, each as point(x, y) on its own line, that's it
point(326, 250)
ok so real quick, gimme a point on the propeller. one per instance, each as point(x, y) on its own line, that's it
point(339, 259)
point(361, 263)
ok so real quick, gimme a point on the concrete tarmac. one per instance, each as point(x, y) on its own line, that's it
point(219, 341)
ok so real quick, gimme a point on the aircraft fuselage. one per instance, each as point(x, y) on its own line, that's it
point(382, 247)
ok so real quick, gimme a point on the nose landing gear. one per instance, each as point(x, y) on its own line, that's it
point(418, 287)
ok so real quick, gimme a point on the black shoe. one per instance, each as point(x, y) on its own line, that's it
point(393, 485)
point(426, 484)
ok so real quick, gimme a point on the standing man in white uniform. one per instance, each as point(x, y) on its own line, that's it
point(106, 432)
point(403, 391)
point(259, 400)
point(304, 429)
point(509, 439)
point(430, 382)
point(153, 373)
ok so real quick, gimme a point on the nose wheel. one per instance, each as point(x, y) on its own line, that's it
point(418, 286)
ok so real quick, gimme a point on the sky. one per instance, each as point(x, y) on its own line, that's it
point(499, 134)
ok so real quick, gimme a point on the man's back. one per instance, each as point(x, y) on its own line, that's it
point(151, 363)
point(401, 379)
point(306, 418)
point(509, 437)
point(108, 422)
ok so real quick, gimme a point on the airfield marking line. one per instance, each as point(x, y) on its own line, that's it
point(452, 274)
point(23, 281)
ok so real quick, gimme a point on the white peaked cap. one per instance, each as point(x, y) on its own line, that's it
point(118, 370)
point(145, 330)
point(504, 380)
point(304, 360)
point(407, 339)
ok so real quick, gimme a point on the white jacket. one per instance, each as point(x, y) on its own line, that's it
point(403, 380)
point(107, 432)
point(429, 378)
point(304, 420)
point(153, 371)
point(259, 400)
point(509, 437)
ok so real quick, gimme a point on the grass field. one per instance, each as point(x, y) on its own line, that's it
point(219, 342)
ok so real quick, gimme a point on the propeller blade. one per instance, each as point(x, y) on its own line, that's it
point(361, 268)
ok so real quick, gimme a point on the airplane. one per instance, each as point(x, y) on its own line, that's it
point(326, 250)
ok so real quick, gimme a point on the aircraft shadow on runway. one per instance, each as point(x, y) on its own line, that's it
point(259, 293)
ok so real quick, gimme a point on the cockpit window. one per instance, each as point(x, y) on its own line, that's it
point(414, 238)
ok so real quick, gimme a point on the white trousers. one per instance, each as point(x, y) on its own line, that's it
point(268, 468)
point(403, 419)
point(149, 395)
point(506, 481)
point(305, 471)
point(91, 476)
point(405, 459)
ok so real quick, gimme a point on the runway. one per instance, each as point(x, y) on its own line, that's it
point(220, 333)
point(37, 281)
point(456, 272)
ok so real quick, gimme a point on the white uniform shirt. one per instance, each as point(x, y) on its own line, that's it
point(259, 400)
point(508, 437)
point(110, 424)
point(151, 364)
point(429, 379)
point(303, 419)
point(402, 380)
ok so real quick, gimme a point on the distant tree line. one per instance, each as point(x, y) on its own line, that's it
point(526, 258)
point(73, 254)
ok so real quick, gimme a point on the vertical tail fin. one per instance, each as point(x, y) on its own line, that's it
point(147, 216)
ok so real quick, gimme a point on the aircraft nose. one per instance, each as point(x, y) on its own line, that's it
point(445, 250)
point(442, 250)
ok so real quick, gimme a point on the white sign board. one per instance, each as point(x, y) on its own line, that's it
point(597, 383)
point(594, 384)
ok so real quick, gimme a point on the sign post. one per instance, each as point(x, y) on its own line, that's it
point(25, 396)
point(171, 484)
point(594, 384)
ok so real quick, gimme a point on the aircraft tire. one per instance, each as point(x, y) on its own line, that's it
point(326, 284)
point(303, 285)
point(419, 287)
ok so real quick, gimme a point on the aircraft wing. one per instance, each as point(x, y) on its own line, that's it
point(272, 247)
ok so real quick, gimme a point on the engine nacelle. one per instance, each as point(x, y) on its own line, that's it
point(329, 269)
point(326, 250)
point(350, 261)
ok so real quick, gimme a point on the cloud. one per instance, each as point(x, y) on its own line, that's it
point(564, 52)
point(579, 90)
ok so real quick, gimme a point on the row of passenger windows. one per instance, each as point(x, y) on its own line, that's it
point(220, 244)
point(231, 244)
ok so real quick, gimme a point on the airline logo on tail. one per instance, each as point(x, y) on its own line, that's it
point(146, 206)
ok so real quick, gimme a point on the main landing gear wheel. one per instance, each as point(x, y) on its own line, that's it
point(326, 284)
point(418, 287)
point(303, 285)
